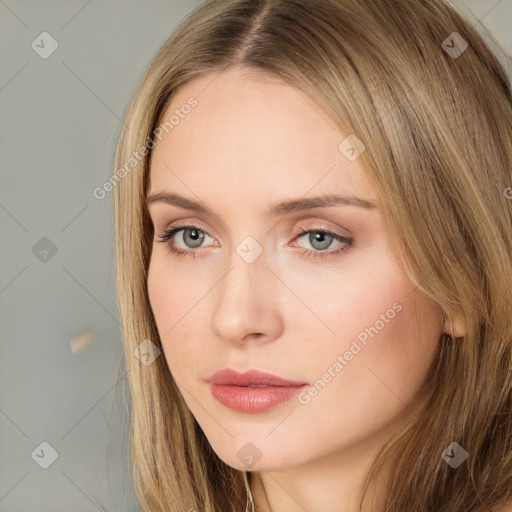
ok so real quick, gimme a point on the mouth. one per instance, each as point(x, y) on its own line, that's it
point(252, 391)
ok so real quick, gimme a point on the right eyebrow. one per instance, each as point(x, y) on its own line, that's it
point(180, 201)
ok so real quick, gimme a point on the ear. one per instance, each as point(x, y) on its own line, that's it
point(455, 326)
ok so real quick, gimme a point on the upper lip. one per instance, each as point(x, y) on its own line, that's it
point(230, 377)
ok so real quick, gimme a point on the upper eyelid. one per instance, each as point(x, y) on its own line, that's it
point(304, 217)
point(179, 227)
point(300, 232)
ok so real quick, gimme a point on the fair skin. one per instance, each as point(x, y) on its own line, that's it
point(252, 142)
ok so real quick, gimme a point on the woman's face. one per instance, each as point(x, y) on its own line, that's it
point(334, 311)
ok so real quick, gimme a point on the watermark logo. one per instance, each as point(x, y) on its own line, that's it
point(45, 455)
point(249, 249)
point(454, 45)
point(44, 45)
point(44, 250)
point(454, 455)
point(249, 454)
point(351, 147)
point(146, 352)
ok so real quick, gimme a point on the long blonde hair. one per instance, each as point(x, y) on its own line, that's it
point(434, 110)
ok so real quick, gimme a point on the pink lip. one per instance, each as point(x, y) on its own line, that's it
point(231, 388)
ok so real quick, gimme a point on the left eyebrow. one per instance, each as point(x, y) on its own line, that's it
point(323, 201)
point(282, 208)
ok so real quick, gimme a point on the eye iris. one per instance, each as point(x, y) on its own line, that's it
point(197, 233)
point(319, 236)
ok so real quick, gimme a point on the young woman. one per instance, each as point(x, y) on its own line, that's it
point(313, 208)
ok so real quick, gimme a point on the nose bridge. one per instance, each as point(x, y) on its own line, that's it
point(244, 283)
point(244, 302)
point(247, 261)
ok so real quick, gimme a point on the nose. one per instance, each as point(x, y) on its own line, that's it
point(246, 303)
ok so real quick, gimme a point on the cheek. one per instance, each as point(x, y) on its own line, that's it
point(384, 335)
point(164, 302)
point(385, 343)
point(173, 299)
point(171, 293)
point(363, 301)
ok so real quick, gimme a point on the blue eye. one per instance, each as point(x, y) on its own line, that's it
point(324, 238)
point(194, 237)
point(197, 237)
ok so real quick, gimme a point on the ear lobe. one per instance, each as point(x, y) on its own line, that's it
point(455, 326)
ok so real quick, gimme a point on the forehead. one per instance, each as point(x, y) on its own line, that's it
point(251, 129)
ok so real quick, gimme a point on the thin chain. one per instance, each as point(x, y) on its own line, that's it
point(250, 499)
point(249, 494)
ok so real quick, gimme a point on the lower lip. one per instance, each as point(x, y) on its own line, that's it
point(256, 399)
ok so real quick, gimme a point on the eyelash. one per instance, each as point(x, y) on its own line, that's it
point(168, 236)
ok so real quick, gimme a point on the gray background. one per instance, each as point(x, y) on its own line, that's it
point(61, 116)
